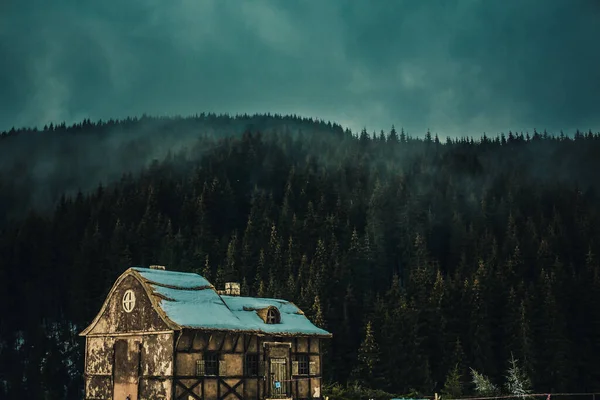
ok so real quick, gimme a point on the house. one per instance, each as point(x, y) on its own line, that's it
point(171, 335)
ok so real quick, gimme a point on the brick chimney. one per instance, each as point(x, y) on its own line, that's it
point(231, 289)
point(160, 267)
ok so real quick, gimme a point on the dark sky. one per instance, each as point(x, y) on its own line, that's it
point(452, 66)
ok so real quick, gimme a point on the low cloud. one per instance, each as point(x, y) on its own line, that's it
point(455, 67)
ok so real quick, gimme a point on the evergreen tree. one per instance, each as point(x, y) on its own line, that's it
point(368, 358)
point(483, 385)
point(393, 136)
point(517, 382)
point(317, 312)
point(453, 386)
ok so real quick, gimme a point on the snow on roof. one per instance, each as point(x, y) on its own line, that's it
point(183, 280)
point(190, 301)
point(197, 309)
point(293, 321)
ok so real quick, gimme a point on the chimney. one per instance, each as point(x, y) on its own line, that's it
point(160, 267)
point(231, 289)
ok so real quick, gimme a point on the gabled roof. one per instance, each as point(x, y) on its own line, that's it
point(188, 300)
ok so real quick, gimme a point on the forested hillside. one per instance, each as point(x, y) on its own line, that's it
point(454, 254)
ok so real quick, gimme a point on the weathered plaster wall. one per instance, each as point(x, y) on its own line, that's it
point(303, 345)
point(314, 345)
point(157, 355)
point(251, 388)
point(153, 353)
point(98, 387)
point(144, 355)
point(99, 355)
point(151, 389)
point(143, 317)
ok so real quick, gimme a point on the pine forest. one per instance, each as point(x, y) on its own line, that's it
point(459, 265)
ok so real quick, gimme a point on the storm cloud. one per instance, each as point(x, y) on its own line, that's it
point(455, 67)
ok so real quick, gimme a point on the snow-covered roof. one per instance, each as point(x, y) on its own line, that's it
point(292, 319)
point(181, 280)
point(190, 301)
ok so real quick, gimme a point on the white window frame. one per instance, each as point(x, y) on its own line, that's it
point(128, 301)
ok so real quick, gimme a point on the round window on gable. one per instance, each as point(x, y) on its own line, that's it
point(128, 301)
point(273, 316)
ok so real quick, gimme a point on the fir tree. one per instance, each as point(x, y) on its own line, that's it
point(483, 386)
point(517, 382)
point(317, 313)
point(453, 386)
point(368, 357)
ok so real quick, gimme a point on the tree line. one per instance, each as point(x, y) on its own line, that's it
point(432, 262)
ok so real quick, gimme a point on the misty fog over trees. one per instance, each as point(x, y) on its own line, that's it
point(426, 259)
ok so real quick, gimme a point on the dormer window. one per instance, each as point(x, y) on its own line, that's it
point(273, 316)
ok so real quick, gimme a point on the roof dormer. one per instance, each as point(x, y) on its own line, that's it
point(270, 315)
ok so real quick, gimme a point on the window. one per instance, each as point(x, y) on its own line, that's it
point(302, 360)
point(209, 365)
point(128, 301)
point(302, 364)
point(251, 364)
point(272, 316)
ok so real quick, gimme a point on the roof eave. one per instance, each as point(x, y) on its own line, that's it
point(257, 332)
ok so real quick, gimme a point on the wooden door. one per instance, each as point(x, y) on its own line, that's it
point(125, 370)
point(279, 377)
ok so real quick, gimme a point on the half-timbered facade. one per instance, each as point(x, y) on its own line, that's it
point(170, 335)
